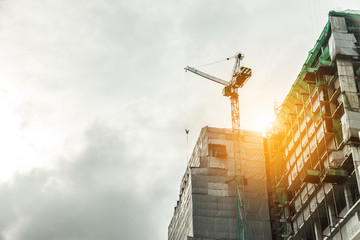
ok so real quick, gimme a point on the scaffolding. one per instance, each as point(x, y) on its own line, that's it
point(208, 191)
point(315, 177)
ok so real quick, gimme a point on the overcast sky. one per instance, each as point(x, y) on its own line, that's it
point(94, 102)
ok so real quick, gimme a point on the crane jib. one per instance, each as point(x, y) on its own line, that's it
point(208, 76)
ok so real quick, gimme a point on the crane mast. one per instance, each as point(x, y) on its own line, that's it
point(239, 77)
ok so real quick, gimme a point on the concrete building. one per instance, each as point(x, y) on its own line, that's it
point(314, 146)
point(206, 208)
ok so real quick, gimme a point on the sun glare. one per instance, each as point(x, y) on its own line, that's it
point(263, 120)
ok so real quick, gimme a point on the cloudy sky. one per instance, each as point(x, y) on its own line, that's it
point(94, 102)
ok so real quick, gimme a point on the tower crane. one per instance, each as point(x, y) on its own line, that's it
point(239, 77)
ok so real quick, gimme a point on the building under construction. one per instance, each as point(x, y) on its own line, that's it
point(206, 208)
point(314, 145)
point(300, 182)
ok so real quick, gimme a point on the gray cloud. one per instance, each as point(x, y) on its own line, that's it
point(99, 194)
point(96, 90)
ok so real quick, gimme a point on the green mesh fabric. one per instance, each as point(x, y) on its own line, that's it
point(280, 192)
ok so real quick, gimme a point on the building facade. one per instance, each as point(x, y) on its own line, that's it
point(314, 146)
point(206, 208)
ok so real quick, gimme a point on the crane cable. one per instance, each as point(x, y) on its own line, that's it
point(186, 109)
point(219, 61)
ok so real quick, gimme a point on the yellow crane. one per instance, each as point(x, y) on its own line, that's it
point(239, 77)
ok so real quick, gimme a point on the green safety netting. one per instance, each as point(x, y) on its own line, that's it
point(338, 131)
point(280, 192)
point(336, 172)
point(313, 172)
point(353, 15)
point(300, 94)
point(358, 72)
point(278, 165)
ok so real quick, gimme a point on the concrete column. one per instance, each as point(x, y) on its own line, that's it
point(332, 214)
point(347, 83)
point(317, 230)
point(290, 228)
point(348, 197)
point(356, 159)
point(338, 24)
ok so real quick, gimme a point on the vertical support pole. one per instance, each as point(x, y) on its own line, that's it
point(356, 159)
point(318, 232)
point(332, 214)
point(239, 178)
point(348, 198)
